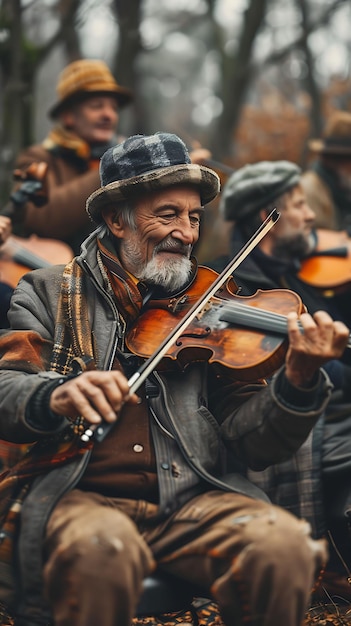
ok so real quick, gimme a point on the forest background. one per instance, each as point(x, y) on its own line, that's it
point(248, 79)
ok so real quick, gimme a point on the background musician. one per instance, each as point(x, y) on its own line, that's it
point(85, 118)
point(317, 483)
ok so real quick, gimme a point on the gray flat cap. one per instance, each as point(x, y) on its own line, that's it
point(253, 187)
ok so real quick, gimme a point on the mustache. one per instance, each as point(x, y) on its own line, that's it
point(173, 245)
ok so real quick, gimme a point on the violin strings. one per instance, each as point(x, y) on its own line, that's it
point(254, 316)
point(258, 318)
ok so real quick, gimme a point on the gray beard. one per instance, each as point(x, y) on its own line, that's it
point(172, 274)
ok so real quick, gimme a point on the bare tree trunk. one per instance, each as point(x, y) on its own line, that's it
point(236, 76)
point(129, 16)
point(68, 10)
point(19, 62)
point(316, 115)
point(13, 90)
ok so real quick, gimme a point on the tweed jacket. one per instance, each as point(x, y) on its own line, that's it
point(207, 413)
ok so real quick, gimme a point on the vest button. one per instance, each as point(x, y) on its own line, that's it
point(165, 466)
point(138, 448)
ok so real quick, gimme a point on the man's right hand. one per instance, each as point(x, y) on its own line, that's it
point(95, 396)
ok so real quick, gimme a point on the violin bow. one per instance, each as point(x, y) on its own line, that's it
point(99, 431)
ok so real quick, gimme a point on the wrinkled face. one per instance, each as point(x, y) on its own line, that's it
point(94, 120)
point(167, 226)
point(291, 235)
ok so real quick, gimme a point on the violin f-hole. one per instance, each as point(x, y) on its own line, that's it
point(201, 334)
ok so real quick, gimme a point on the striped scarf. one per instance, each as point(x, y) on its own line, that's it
point(63, 142)
point(73, 342)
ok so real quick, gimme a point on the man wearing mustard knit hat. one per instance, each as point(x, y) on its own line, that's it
point(85, 118)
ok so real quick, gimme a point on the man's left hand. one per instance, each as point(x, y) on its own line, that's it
point(313, 340)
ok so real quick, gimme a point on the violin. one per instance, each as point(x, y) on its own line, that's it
point(328, 267)
point(19, 255)
point(205, 324)
point(215, 334)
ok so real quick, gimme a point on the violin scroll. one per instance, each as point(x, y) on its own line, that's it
point(34, 186)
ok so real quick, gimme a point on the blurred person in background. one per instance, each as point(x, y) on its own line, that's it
point(316, 484)
point(327, 182)
point(248, 196)
point(85, 117)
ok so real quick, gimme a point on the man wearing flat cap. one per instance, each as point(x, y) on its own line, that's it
point(327, 181)
point(123, 480)
point(316, 483)
point(248, 197)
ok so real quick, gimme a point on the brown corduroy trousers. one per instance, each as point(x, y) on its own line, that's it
point(257, 561)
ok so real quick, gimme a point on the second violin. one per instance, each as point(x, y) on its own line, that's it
point(328, 268)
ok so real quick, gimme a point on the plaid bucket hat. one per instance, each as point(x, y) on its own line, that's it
point(148, 163)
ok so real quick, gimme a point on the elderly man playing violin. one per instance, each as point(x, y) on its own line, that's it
point(316, 483)
point(98, 513)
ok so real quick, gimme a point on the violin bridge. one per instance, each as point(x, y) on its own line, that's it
point(204, 310)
